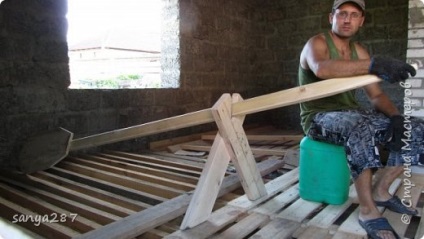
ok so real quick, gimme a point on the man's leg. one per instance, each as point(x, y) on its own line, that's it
point(359, 133)
point(384, 180)
point(367, 208)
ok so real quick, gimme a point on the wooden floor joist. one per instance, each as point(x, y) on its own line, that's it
point(112, 207)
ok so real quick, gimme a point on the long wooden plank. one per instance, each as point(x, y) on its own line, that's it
point(143, 197)
point(258, 137)
point(145, 170)
point(277, 228)
point(217, 221)
point(171, 163)
point(244, 227)
point(129, 172)
point(155, 191)
point(138, 223)
point(92, 191)
point(249, 106)
point(255, 150)
point(299, 210)
point(280, 201)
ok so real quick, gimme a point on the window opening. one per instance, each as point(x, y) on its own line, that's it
point(114, 44)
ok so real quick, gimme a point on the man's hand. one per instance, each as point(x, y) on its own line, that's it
point(390, 70)
point(395, 133)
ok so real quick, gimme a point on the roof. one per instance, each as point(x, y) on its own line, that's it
point(132, 39)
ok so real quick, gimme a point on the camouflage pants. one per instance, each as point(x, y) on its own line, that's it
point(361, 131)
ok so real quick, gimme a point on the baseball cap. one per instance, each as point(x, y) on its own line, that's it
point(360, 3)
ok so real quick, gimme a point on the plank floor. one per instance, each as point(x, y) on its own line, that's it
point(116, 194)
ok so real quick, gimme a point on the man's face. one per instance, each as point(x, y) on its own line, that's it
point(346, 20)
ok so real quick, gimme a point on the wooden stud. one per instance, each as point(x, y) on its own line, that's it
point(209, 184)
point(231, 129)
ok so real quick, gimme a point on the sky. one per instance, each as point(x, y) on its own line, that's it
point(88, 17)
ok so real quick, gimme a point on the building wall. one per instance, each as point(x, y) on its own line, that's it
point(245, 46)
point(414, 89)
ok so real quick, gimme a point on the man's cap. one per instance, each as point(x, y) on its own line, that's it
point(360, 3)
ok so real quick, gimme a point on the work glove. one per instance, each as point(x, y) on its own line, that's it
point(390, 70)
point(395, 133)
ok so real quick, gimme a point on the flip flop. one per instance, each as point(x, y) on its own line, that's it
point(373, 226)
point(395, 204)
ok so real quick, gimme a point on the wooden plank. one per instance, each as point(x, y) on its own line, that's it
point(152, 161)
point(145, 171)
point(163, 144)
point(210, 181)
point(92, 191)
point(299, 210)
point(154, 191)
point(315, 233)
point(344, 235)
point(154, 127)
point(265, 137)
point(231, 130)
point(74, 207)
point(301, 94)
point(217, 221)
point(68, 219)
point(146, 198)
point(129, 172)
point(277, 228)
point(188, 160)
point(255, 150)
point(351, 225)
point(329, 215)
point(273, 187)
point(138, 223)
point(326, 217)
point(280, 201)
point(244, 227)
point(78, 197)
point(278, 99)
point(33, 222)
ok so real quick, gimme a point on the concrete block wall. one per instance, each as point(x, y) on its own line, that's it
point(209, 59)
point(414, 89)
point(246, 46)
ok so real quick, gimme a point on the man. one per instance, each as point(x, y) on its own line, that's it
point(340, 120)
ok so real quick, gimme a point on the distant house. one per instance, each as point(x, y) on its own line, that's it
point(114, 53)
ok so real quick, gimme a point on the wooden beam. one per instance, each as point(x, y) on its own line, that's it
point(275, 100)
point(301, 94)
point(255, 150)
point(259, 137)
